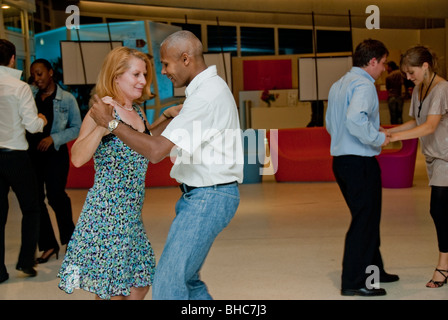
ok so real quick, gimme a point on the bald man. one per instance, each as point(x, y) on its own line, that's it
point(209, 165)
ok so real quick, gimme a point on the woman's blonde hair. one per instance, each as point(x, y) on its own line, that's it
point(117, 63)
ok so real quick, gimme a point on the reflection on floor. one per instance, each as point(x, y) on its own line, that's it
point(285, 242)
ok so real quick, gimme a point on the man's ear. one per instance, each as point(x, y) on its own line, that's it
point(373, 62)
point(185, 58)
point(12, 61)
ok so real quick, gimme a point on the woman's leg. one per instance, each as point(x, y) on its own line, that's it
point(438, 275)
point(136, 294)
point(439, 213)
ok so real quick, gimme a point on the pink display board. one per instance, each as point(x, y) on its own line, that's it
point(267, 74)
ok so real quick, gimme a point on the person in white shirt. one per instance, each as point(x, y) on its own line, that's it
point(19, 114)
point(209, 164)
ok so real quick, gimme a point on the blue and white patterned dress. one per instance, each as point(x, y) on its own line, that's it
point(109, 251)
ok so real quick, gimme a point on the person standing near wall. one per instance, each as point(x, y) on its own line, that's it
point(18, 115)
point(394, 84)
point(353, 122)
point(317, 114)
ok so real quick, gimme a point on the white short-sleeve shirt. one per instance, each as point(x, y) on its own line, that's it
point(207, 134)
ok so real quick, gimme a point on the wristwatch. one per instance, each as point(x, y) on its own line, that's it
point(113, 124)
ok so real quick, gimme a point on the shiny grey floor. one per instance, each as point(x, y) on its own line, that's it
point(285, 242)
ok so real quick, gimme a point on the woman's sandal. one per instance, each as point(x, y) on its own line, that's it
point(438, 284)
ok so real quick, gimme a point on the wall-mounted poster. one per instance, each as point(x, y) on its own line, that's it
point(267, 74)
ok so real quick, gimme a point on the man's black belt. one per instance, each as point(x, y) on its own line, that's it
point(6, 150)
point(185, 188)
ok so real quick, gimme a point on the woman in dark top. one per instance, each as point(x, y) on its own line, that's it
point(50, 157)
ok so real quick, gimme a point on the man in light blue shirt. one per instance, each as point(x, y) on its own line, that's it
point(352, 117)
point(353, 121)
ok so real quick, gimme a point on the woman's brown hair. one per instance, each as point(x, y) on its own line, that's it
point(416, 56)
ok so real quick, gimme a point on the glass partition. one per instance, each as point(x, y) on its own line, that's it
point(132, 34)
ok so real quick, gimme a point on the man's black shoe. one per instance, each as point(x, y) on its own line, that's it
point(387, 277)
point(363, 292)
point(4, 277)
point(29, 271)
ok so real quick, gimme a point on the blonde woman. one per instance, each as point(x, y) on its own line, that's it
point(109, 253)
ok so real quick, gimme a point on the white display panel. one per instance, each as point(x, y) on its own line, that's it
point(82, 60)
point(329, 70)
point(223, 63)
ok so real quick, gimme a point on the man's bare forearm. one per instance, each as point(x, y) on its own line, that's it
point(154, 148)
point(157, 129)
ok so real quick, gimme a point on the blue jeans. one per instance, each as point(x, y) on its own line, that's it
point(201, 215)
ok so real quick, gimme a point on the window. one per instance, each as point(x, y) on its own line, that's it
point(90, 20)
point(111, 20)
point(222, 38)
point(12, 19)
point(333, 41)
point(195, 28)
point(42, 17)
point(295, 41)
point(257, 41)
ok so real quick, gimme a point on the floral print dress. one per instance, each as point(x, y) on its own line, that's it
point(109, 251)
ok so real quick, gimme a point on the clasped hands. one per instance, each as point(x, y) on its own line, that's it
point(102, 112)
point(389, 136)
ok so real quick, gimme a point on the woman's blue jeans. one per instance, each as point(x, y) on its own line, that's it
point(201, 215)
